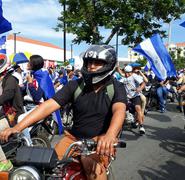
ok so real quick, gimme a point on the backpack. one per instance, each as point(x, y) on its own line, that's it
point(67, 114)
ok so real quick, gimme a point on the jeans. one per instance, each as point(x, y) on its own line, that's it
point(162, 95)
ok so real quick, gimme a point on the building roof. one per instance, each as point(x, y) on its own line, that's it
point(182, 44)
point(36, 42)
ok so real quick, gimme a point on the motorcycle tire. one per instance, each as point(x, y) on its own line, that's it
point(41, 140)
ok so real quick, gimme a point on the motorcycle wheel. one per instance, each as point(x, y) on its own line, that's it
point(41, 140)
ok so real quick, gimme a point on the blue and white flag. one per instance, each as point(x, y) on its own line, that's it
point(183, 24)
point(147, 67)
point(5, 25)
point(157, 55)
point(46, 84)
point(3, 45)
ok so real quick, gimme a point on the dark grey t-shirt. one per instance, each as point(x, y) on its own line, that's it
point(92, 111)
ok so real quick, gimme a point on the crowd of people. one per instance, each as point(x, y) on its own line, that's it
point(96, 116)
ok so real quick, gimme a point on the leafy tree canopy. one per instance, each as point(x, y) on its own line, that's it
point(131, 19)
point(178, 60)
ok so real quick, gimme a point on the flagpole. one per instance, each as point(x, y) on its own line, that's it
point(169, 36)
point(64, 32)
point(15, 39)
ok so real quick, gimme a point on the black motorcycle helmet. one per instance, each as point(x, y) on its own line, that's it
point(105, 53)
point(4, 64)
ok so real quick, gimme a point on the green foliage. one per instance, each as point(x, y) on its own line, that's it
point(142, 61)
point(179, 63)
point(132, 19)
point(66, 63)
point(178, 60)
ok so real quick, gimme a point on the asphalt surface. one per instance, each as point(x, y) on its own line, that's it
point(157, 155)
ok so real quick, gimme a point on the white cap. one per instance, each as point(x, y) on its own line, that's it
point(128, 68)
point(69, 67)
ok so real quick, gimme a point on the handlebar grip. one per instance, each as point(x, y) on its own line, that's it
point(12, 138)
point(121, 144)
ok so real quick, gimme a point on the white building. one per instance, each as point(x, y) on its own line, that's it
point(52, 54)
point(175, 47)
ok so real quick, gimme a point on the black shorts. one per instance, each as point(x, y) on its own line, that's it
point(136, 101)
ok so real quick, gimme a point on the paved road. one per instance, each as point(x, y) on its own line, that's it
point(158, 155)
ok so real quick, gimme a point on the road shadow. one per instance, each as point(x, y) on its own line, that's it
point(171, 139)
point(160, 117)
point(171, 171)
point(174, 147)
point(172, 107)
point(130, 135)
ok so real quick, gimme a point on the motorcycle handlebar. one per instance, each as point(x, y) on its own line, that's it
point(87, 145)
point(121, 144)
point(90, 142)
point(17, 137)
point(13, 137)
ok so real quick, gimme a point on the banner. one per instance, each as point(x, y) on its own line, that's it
point(5, 25)
point(183, 24)
point(157, 55)
point(42, 76)
point(147, 67)
point(3, 45)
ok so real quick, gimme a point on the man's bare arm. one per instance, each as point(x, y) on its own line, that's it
point(41, 112)
point(106, 142)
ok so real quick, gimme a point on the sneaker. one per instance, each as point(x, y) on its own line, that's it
point(141, 129)
point(134, 125)
point(162, 110)
point(6, 166)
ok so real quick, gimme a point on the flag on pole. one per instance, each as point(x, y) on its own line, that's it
point(157, 55)
point(183, 24)
point(147, 67)
point(5, 25)
point(3, 45)
point(42, 76)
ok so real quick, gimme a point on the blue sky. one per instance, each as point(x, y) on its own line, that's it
point(36, 18)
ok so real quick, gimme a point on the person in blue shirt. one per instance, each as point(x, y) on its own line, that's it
point(53, 74)
point(61, 80)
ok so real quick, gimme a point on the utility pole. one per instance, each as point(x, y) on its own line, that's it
point(71, 51)
point(64, 9)
point(117, 44)
point(15, 37)
point(169, 36)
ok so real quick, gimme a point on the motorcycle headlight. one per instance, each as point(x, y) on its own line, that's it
point(25, 173)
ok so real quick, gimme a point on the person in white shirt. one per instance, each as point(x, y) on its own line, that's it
point(134, 84)
point(18, 74)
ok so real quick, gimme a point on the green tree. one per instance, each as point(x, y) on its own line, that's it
point(178, 60)
point(131, 19)
point(142, 61)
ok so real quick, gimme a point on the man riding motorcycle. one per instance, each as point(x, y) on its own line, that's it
point(94, 115)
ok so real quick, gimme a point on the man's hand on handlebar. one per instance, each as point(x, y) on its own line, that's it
point(4, 135)
point(105, 145)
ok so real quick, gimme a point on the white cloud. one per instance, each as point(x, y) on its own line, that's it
point(33, 18)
